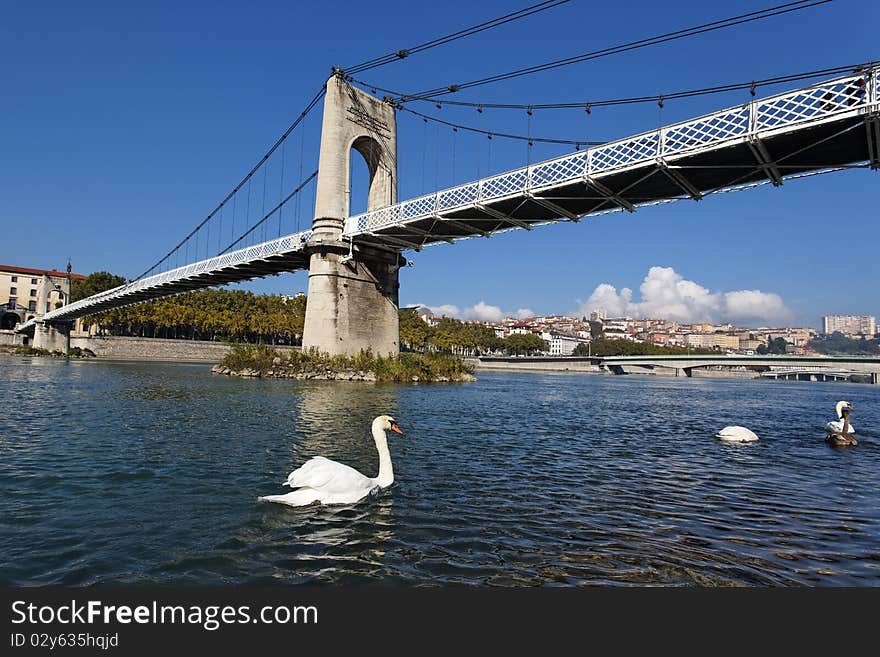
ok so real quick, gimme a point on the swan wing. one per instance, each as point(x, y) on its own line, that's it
point(328, 476)
point(737, 434)
point(837, 427)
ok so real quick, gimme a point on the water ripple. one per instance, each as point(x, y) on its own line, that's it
point(148, 474)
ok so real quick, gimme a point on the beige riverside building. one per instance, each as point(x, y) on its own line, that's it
point(712, 341)
point(849, 324)
point(27, 293)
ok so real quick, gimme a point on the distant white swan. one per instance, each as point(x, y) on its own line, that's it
point(322, 481)
point(736, 434)
point(837, 426)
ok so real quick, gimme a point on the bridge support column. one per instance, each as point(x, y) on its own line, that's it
point(875, 378)
point(353, 288)
point(52, 336)
point(352, 303)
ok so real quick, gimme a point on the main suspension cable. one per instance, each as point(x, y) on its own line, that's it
point(433, 43)
point(400, 98)
point(505, 135)
point(315, 100)
point(632, 45)
point(280, 205)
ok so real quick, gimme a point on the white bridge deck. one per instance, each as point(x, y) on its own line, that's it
point(824, 127)
point(272, 257)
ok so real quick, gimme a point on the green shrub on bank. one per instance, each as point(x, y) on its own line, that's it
point(404, 367)
point(32, 351)
point(26, 350)
point(250, 356)
point(424, 367)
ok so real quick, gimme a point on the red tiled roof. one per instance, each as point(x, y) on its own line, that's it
point(39, 272)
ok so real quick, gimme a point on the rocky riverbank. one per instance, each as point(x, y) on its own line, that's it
point(261, 361)
point(280, 371)
point(24, 350)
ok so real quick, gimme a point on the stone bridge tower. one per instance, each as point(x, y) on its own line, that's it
point(352, 302)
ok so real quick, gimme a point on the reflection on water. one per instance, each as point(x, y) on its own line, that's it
point(137, 473)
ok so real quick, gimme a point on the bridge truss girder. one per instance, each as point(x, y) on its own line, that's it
point(794, 134)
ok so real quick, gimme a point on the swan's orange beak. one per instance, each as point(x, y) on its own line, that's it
point(396, 428)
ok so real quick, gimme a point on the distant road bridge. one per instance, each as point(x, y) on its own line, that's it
point(788, 366)
point(353, 262)
point(784, 367)
point(817, 374)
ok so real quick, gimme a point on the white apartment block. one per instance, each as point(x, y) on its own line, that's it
point(849, 324)
point(561, 345)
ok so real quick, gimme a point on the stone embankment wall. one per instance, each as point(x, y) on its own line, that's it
point(124, 348)
point(10, 337)
point(533, 365)
point(699, 372)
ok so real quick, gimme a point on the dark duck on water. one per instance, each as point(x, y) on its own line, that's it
point(840, 432)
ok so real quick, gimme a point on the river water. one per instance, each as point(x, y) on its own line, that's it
point(145, 473)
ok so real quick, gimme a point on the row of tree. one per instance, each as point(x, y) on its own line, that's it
point(245, 317)
point(463, 338)
point(206, 315)
point(776, 346)
point(838, 343)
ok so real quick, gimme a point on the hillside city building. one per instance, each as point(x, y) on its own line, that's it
point(563, 334)
point(850, 325)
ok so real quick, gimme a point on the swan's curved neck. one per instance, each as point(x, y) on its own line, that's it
point(386, 472)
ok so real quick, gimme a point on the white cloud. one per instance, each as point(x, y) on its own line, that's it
point(666, 294)
point(443, 311)
point(481, 312)
point(754, 305)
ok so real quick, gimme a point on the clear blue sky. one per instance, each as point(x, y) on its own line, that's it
point(124, 125)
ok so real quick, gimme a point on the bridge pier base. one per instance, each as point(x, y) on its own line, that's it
point(52, 336)
point(875, 378)
point(353, 302)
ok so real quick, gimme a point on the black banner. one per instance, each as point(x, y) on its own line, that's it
point(126, 621)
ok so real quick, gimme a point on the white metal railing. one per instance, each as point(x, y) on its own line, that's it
point(817, 102)
point(281, 245)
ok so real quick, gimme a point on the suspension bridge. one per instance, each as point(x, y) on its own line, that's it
point(353, 261)
point(828, 126)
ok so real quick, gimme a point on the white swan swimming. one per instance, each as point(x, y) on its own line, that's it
point(322, 481)
point(837, 426)
point(736, 434)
